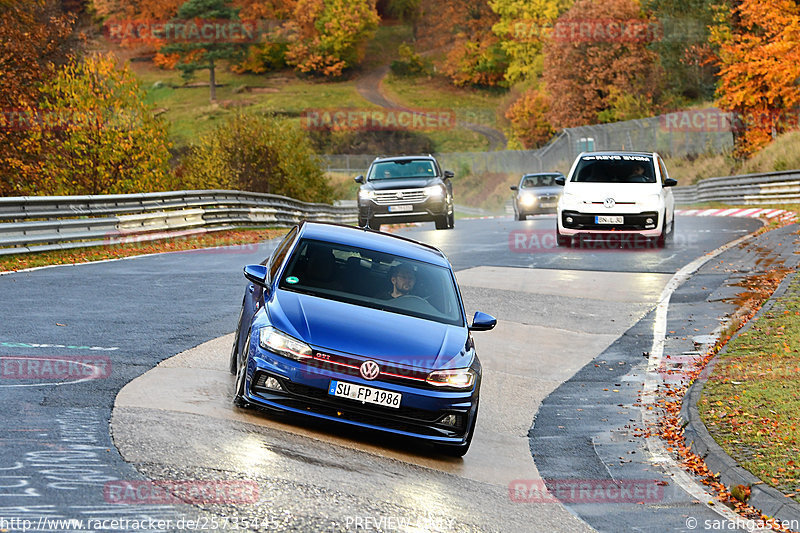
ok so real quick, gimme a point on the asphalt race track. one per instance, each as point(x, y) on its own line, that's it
point(562, 372)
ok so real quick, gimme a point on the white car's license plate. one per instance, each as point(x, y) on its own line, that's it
point(547, 204)
point(609, 220)
point(385, 398)
point(400, 208)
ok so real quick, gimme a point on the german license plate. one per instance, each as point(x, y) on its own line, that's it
point(608, 220)
point(547, 204)
point(361, 393)
point(400, 208)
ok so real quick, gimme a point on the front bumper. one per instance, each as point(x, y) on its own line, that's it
point(401, 212)
point(647, 223)
point(303, 389)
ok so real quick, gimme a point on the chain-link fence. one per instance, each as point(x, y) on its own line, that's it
point(676, 134)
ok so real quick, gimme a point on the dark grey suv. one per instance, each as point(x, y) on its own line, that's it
point(405, 189)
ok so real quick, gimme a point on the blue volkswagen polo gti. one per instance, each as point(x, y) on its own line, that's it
point(363, 328)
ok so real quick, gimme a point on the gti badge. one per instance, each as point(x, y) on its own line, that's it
point(609, 203)
point(369, 370)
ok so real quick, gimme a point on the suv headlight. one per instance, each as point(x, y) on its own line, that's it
point(434, 191)
point(527, 199)
point(280, 343)
point(366, 194)
point(457, 378)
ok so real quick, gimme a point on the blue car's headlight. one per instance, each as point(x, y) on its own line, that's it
point(457, 378)
point(282, 344)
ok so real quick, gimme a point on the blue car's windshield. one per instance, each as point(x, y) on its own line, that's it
point(615, 169)
point(373, 279)
point(403, 168)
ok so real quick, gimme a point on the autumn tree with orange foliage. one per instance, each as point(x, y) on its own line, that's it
point(527, 116)
point(597, 60)
point(464, 28)
point(35, 37)
point(759, 59)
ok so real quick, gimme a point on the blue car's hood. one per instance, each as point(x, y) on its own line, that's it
point(379, 335)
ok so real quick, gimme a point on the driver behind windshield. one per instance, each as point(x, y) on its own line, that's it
point(403, 278)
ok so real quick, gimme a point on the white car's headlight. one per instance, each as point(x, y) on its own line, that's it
point(568, 199)
point(434, 191)
point(457, 378)
point(527, 199)
point(652, 200)
point(282, 344)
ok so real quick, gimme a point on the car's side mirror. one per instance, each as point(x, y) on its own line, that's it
point(257, 274)
point(669, 182)
point(482, 322)
point(560, 180)
point(448, 174)
point(359, 179)
point(514, 188)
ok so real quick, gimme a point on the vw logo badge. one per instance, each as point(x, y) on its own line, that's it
point(369, 370)
point(609, 203)
point(399, 195)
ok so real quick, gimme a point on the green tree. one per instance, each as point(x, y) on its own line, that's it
point(204, 55)
point(258, 154)
point(683, 47)
point(523, 28)
point(98, 134)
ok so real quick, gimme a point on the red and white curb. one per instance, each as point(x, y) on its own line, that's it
point(751, 212)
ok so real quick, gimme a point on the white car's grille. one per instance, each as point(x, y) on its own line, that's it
point(402, 196)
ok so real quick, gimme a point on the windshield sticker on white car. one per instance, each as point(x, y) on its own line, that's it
point(292, 280)
point(616, 158)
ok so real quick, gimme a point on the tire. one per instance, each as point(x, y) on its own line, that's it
point(239, 399)
point(563, 241)
point(459, 450)
point(362, 222)
point(451, 220)
point(234, 361)
point(661, 240)
point(441, 222)
point(373, 224)
point(520, 216)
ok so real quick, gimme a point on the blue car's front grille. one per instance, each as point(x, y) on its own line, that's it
point(389, 373)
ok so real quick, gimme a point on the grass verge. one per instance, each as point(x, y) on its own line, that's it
point(751, 403)
point(10, 263)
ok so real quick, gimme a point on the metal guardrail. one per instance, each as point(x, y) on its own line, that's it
point(43, 223)
point(746, 189)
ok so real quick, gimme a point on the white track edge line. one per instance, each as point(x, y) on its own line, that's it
point(656, 447)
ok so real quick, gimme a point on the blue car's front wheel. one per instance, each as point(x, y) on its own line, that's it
point(239, 397)
point(234, 362)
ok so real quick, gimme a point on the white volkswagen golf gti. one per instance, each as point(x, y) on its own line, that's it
point(620, 196)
